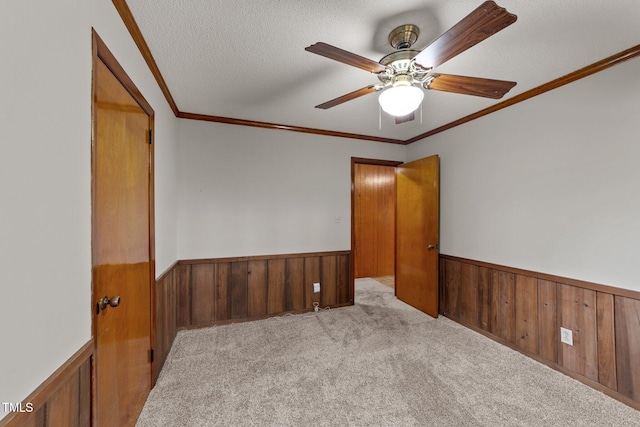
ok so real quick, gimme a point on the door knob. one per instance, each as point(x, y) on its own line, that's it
point(106, 301)
point(432, 246)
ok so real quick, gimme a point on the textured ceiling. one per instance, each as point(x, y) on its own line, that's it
point(246, 60)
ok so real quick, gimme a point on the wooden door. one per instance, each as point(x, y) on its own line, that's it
point(374, 202)
point(122, 250)
point(417, 233)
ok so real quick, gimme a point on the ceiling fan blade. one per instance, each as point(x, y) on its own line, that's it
point(404, 119)
point(348, 97)
point(482, 23)
point(345, 57)
point(487, 88)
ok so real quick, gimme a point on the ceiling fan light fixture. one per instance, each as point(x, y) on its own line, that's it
point(401, 100)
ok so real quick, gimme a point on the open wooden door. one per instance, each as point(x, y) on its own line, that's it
point(122, 240)
point(417, 233)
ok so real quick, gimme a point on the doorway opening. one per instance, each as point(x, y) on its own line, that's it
point(373, 201)
point(395, 227)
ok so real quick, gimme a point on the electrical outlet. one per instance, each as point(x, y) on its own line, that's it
point(316, 288)
point(566, 336)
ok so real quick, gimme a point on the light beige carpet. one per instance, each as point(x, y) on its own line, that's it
point(377, 363)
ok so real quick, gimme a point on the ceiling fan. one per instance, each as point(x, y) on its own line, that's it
point(402, 72)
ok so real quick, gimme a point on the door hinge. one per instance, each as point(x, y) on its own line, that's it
point(150, 136)
point(151, 355)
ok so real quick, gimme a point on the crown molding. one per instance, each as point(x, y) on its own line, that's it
point(138, 38)
point(265, 125)
point(553, 84)
point(136, 34)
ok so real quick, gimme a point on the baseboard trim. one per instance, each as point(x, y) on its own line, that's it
point(76, 368)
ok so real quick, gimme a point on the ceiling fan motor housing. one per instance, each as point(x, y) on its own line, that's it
point(404, 36)
point(402, 80)
point(400, 63)
point(401, 69)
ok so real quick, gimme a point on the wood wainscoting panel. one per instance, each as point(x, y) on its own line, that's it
point(311, 276)
point(183, 295)
point(239, 292)
point(484, 298)
point(329, 281)
point(212, 291)
point(344, 279)
point(202, 294)
point(294, 284)
point(166, 320)
point(503, 318)
point(525, 310)
point(222, 293)
point(547, 320)
point(526, 307)
point(605, 318)
point(257, 288)
point(469, 294)
point(441, 291)
point(275, 292)
point(627, 315)
point(63, 408)
point(63, 399)
point(577, 312)
point(452, 283)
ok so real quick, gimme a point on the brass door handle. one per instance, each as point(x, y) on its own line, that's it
point(105, 301)
point(431, 246)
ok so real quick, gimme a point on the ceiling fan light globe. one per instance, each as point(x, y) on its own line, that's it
point(399, 101)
